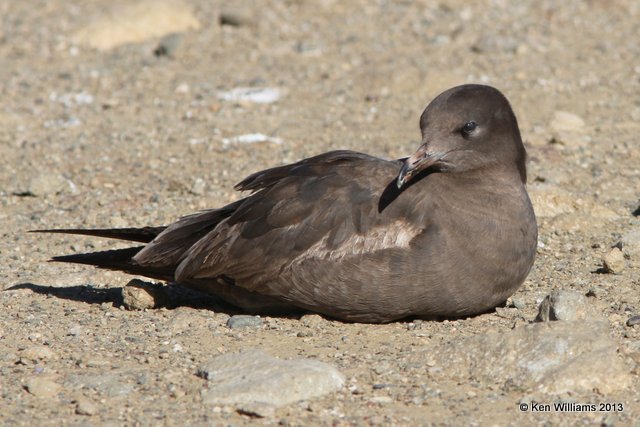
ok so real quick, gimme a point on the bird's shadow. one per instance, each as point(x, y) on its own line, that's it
point(174, 296)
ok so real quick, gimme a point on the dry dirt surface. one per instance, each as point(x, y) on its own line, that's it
point(128, 113)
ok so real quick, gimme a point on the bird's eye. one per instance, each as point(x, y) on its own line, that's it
point(469, 127)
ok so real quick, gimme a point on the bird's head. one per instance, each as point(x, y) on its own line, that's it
point(466, 128)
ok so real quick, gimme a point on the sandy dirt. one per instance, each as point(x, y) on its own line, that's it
point(113, 136)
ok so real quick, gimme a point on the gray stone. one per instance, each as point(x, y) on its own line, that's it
point(42, 387)
point(633, 321)
point(518, 303)
point(244, 321)
point(613, 261)
point(630, 243)
point(168, 45)
point(568, 306)
point(140, 295)
point(85, 406)
point(253, 376)
point(547, 358)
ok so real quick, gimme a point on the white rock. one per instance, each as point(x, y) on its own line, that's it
point(564, 121)
point(266, 95)
point(251, 138)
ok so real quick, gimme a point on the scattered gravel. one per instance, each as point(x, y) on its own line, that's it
point(110, 115)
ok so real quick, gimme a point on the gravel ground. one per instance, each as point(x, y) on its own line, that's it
point(109, 127)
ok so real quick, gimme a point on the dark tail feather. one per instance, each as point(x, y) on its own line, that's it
point(119, 260)
point(144, 235)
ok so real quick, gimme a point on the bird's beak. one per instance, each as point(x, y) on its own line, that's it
point(419, 161)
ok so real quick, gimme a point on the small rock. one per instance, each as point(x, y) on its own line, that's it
point(564, 121)
point(251, 138)
point(48, 183)
point(42, 387)
point(312, 320)
point(139, 295)
point(75, 330)
point(381, 399)
point(266, 95)
point(633, 320)
point(253, 376)
point(183, 88)
point(85, 406)
point(518, 303)
point(38, 352)
point(168, 45)
point(240, 321)
point(630, 243)
point(567, 306)
point(198, 187)
point(613, 261)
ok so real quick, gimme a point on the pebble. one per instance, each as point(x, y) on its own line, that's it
point(42, 387)
point(85, 406)
point(266, 95)
point(75, 330)
point(518, 303)
point(251, 138)
point(140, 295)
point(253, 376)
point(567, 305)
point(312, 320)
point(563, 121)
point(630, 243)
point(613, 261)
point(198, 187)
point(48, 183)
point(241, 321)
point(38, 352)
point(168, 45)
point(633, 320)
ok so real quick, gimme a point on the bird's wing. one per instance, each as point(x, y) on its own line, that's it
point(315, 207)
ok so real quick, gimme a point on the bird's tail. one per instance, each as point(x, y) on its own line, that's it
point(144, 234)
point(116, 259)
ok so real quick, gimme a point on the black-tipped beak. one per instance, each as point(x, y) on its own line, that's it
point(419, 161)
